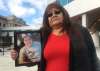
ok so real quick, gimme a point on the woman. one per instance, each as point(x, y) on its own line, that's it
point(65, 47)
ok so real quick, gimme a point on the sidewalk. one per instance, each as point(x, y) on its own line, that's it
point(7, 64)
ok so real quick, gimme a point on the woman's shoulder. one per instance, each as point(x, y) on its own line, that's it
point(79, 30)
point(78, 27)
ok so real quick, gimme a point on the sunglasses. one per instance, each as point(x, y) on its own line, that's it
point(52, 13)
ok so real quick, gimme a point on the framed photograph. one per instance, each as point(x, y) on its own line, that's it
point(28, 46)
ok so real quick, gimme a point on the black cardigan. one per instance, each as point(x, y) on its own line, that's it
point(82, 51)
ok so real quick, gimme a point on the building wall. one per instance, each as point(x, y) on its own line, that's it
point(3, 21)
point(9, 21)
point(77, 7)
point(89, 11)
point(13, 21)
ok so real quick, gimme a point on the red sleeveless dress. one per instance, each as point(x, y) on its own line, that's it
point(56, 53)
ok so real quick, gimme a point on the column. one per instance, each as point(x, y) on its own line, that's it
point(84, 20)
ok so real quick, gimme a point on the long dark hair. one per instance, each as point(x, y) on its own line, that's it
point(46, 29)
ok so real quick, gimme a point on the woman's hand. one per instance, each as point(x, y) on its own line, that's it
point(14, 54)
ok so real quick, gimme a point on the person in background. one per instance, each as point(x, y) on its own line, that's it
point(65, 46)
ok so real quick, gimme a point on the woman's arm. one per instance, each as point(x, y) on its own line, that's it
point(91, 48)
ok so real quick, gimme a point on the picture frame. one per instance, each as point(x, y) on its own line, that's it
point(28, 46)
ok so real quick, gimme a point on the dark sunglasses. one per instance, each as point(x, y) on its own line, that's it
point(55, 12)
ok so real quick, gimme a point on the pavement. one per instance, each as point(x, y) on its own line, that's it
point(7, 64)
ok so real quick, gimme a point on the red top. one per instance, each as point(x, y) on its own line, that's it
point(56, 53)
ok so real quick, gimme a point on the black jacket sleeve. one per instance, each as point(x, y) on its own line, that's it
point(91, 48)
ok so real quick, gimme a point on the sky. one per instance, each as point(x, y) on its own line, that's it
point(31, 11)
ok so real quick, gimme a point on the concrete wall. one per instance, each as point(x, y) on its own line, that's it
point(81, 6)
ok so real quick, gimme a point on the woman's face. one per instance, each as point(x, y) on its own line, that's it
point(27, 41)
point(55, 17)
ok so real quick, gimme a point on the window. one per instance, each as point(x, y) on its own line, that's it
point(4, 25)
point(64, 2)
point(0, 24)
